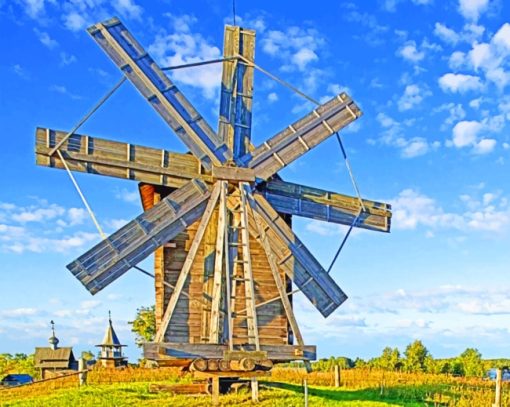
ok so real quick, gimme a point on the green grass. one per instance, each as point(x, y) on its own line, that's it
point(136, 394)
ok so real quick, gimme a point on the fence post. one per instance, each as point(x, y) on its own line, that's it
point(305, 389)
point(337, 376)
point(82, 368)
point(497, 400)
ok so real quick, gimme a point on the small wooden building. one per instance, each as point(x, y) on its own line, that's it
point(54, 360)
point(110, 355)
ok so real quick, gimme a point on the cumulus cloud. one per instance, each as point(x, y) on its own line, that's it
point(473, 9)
point(459, 83)
point(183, 46)
point(393, 135)
point(413, 96)
point(410, 52)
point(42, 227)
point(297, 47)
point(472, 133)
point(412, 209)
point(45, 39)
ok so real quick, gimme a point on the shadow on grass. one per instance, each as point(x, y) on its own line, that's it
point(399, 395)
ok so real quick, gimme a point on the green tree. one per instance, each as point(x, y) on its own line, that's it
point(472, 363)
point(144, 325)
point(389, 359)
point(415, 355)
point(360, 363)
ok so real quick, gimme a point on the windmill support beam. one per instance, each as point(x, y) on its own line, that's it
point(214, 328)
point(278, 353)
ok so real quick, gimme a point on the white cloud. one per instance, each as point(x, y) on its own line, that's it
point(412, 209)
point(415, 147)
point(272, 97)
point(392, 135)
point(67, 59)
point(459, 83)
point(74, 21)
point(457, 60)
point(128, 9)
point(128, 196)
point(472, 9)
point(296, 47)
point(33, 8)
point(20, 71)
point(446, 34)
point(472, 134)
point(19, 312)
point(64, 91)
point(470, 33)
point(323, 228)
point(78, 14)
point(303, 57)
point(45, 39)
point(413, 96)
point(484, 146)
point(410, 52)
point(184, 46)
point(455, 113)
point(465, 133)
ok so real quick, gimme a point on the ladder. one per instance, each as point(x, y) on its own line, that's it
point(238, 250)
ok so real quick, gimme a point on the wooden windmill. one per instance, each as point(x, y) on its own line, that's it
point(218, 219)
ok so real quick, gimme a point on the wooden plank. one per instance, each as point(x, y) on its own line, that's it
point(214, 329)
point(251, 313)
point(125, 248)
point(188, 263)
point(281, 288)
point(315, 203)
point(94, 155)
point(211, 351)
point(160, 92)
point(233, 174)
point(299, 264)
point(237, 91)
point(298, 138)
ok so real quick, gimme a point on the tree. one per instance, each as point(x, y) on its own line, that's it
point(472, 363)
point(389, 360)
point(415, 355)
point(144, 325)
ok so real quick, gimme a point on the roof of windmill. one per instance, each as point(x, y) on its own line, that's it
point(110, 337)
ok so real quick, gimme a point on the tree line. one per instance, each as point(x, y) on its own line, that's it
point(417, 359)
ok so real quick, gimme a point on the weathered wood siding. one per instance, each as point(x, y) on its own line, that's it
point(190, 321)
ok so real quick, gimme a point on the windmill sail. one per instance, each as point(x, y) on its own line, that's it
point(315, 203)
point(160, 92)
point(292, 256)
point(301, 136)
point(115, 255)
point(116, 159)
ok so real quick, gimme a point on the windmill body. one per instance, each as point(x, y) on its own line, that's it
point(218, 219)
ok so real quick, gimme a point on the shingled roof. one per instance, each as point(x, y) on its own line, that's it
point(110, 337)
point(60, 358)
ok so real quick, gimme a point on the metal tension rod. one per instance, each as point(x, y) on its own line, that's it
point(193, 64)
point(87, 116)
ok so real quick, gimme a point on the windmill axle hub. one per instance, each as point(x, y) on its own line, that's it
point(233, 174)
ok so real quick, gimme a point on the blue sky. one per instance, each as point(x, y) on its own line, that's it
point(433, 80)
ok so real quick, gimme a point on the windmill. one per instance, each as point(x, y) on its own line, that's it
point(218, 219)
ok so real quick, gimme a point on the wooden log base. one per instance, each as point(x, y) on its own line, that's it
point(232, 375)
point(193, 388)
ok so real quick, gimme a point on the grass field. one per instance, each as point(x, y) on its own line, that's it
point(135, 394)
point(363, 388)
